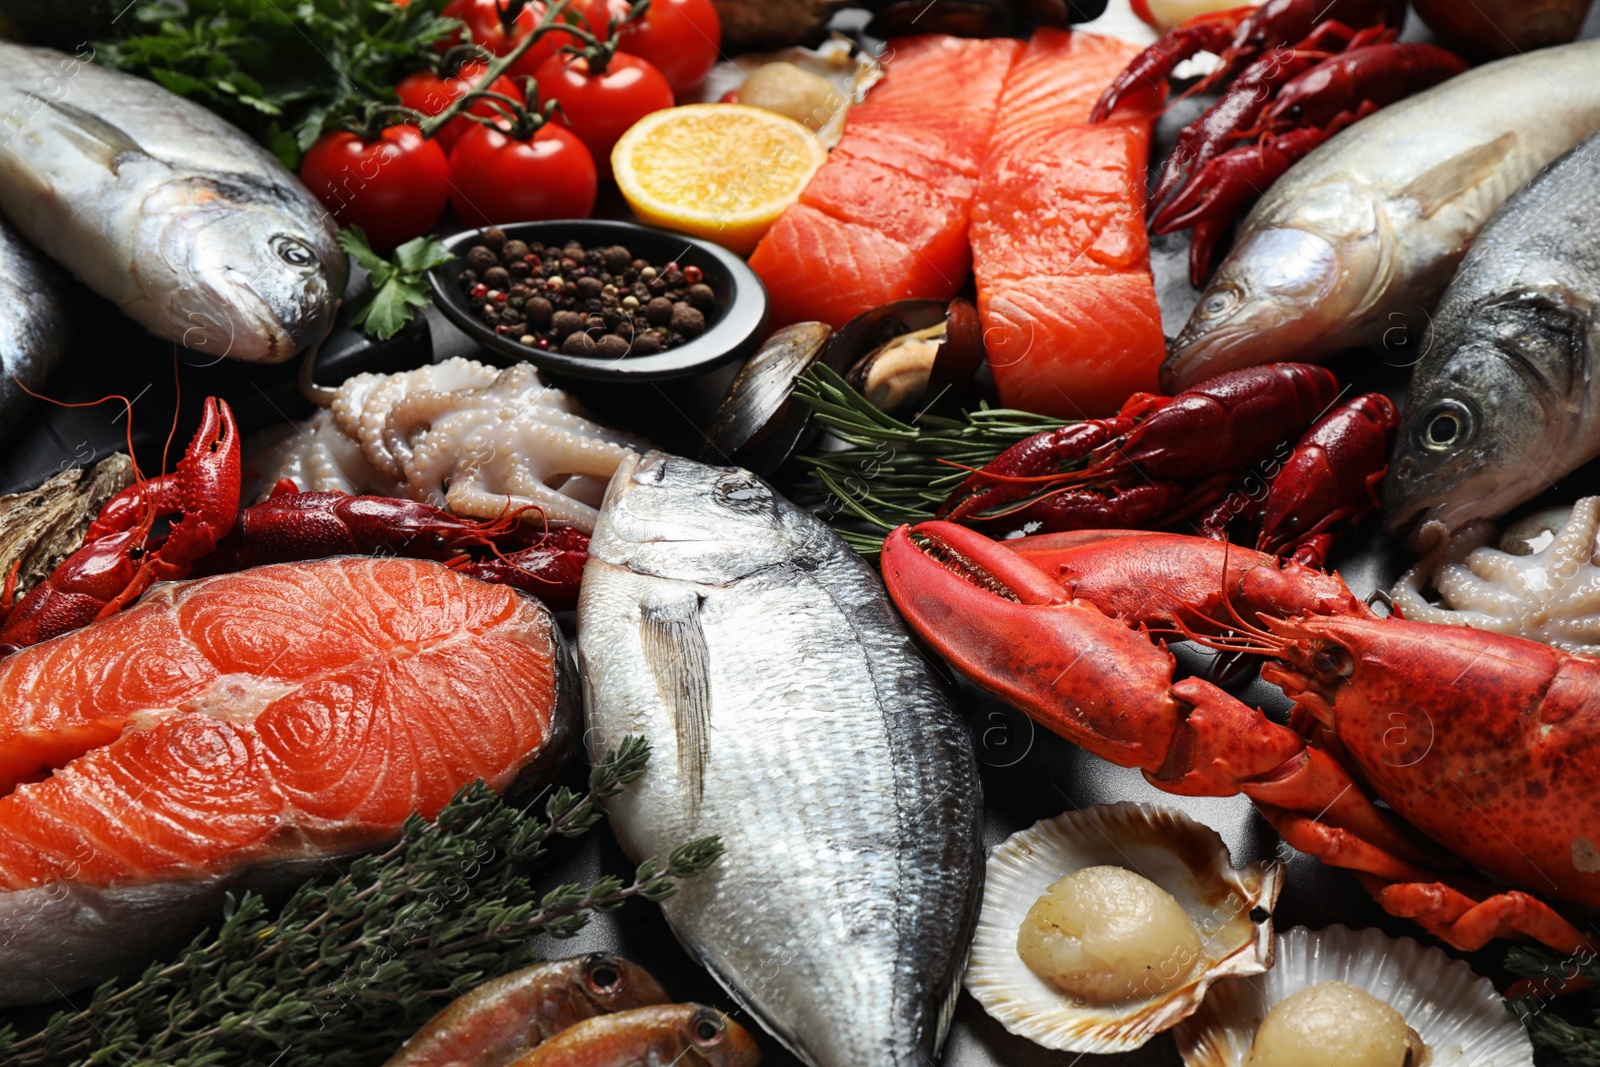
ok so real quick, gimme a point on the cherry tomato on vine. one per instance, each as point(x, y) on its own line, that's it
point(487, 26)
point(680, 38)
point(394, 186)
point(430, 94)
point(599, 107)
point(496, 177)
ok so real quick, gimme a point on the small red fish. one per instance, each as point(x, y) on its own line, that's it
point(685, 1035)
point(503, 1019)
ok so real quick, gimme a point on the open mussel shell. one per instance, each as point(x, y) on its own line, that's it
point(1457, 1013)
point(913, 354)
point(757, 426)
point(1230, 908)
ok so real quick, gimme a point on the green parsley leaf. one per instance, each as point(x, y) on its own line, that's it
point(399, 283)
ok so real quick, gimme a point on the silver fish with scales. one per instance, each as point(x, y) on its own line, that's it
point(1506, 400)
point(1357, 239)
point(191, 228)
point(789, 713)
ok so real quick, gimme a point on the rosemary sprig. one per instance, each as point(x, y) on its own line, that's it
point(894, 472)
point(354, 965)
point(1566, 1042)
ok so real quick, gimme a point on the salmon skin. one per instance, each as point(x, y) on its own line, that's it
point(505, 1018)
point(244, 729)
point(1059, 247)
point(886, 217)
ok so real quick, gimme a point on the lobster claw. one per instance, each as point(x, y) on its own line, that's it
point(1012, 629)
point(207, 486)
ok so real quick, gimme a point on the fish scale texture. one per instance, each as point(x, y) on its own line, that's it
point(1059, 248)
point(288, 710)
point(837, 772)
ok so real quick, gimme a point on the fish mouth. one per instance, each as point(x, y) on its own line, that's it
point(1196, 355)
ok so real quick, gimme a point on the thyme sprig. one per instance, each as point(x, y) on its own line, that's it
point(352, 966)
point(1557, 1039)
point(894, 472)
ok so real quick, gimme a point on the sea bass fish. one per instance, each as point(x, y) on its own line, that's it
point(1372, 224)
point(503, 1019)
point(1506, 399)
point(33, 323)
point(191, 228)
point(788, 712)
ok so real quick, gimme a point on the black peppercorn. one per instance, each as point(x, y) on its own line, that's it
point(514, 249)
point(481, 258)
point(565, 323)
point(659, 311)
point(495, 238)
point(578, 344)
point(589, 287)
point(701, 296)
point(497, 278)
point(687, 320)
point(610, 346)
point(538, 310)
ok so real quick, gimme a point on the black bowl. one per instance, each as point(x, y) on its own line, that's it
point(732, 331)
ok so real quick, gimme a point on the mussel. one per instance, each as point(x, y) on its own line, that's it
point(913, 353)
point(1504, 27)
point(756, 425)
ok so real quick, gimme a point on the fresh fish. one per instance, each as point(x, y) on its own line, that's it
point(505, 1018)
point(789, 713)
point(189, 226)
point(1372, 224)
point(676, 1035)
point(245, 728)
point(1506, 399)
point(33, 323)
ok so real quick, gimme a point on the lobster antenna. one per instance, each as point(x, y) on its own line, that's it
point(127, 407)
point(177, 408)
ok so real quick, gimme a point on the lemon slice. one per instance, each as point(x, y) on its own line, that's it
point(724, 172)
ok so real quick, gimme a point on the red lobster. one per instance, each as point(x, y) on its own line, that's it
point(121, 555)
point(290, 525)
point(1476, 742)
point(1234, 450)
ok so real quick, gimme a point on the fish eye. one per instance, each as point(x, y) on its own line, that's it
point(742, 491)
point(1446, 425)
point(1219, 302)
point(293, 252)
point(707, 1030)
point(605, 976)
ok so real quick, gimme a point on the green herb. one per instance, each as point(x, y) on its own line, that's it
point(349, 968)
point(282, 71)
point(897, 472)
point(1569, 1043)
point(399, 283)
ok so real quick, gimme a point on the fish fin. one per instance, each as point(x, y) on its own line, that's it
point(98, 139)
point(675, 650)
point(1439, 185)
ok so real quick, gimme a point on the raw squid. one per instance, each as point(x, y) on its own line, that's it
point(459, 435)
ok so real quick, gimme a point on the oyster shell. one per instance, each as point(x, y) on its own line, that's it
point(1457, 1013)
point(1180, 855)
point(848, 69)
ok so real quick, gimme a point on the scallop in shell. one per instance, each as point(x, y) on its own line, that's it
point(1230, 909)
point(1457, 1013)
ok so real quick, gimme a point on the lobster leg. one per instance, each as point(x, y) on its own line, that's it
point(1150, 69)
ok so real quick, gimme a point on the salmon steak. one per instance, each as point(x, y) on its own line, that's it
point(247, 727)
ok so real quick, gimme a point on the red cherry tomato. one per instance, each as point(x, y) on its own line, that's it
point(496, 178)
point(430, 94)
point(681, 38)
point(486, 27)
point(599, 108)
point(394, 188)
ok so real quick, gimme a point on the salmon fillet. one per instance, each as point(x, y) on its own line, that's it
point(886, 217)
point(275, 716)
point(1059, 246)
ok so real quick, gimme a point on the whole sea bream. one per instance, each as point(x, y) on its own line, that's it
point(1506, 398)
point(1356, 241)
point(789, 713)
point(191, 228)
point(33, 323)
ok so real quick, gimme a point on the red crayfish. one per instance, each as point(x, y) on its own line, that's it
point(122, 555)
point(1298, 72)
point(1479, 745)
point(1267, 447)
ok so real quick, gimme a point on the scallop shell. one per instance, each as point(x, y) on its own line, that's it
point(1182, 856)
point(1458, 1014)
